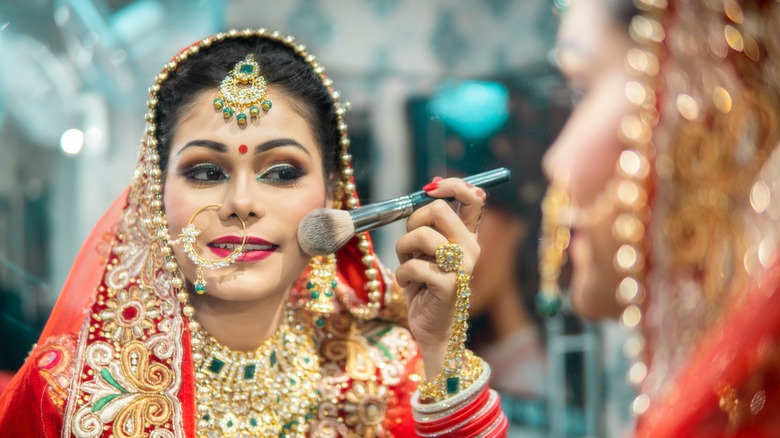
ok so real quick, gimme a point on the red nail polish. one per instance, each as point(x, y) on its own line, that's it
point(431, 186)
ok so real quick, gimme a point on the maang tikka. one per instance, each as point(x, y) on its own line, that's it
point(187, 238)
point(242, 90)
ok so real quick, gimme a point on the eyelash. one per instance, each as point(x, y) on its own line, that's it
point(192, 174)
point(205, 174)
point(293, 173)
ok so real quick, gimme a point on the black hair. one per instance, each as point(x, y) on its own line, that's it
point(279, 64)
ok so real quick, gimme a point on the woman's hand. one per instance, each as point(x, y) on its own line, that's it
point(430, 292)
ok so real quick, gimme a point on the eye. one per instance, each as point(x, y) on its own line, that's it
point(281, 174)
point(204, 173)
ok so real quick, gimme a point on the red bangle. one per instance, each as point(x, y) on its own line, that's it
point(483, 422)
point(501, 429)
point(457, 417)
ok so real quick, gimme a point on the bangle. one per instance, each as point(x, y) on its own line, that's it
point(467, 426)
point(453, 378)
point(456, 400)
point(449, 418)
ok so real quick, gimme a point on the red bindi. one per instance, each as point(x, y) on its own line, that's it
point(243, 149)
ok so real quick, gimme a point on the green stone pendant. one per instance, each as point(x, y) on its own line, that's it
point(453, 384)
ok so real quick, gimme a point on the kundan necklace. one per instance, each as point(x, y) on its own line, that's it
point(270, 391)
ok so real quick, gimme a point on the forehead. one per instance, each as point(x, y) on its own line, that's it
point(287, 118)
point(588, 34)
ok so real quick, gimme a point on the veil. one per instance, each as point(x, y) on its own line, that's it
point(711, 99)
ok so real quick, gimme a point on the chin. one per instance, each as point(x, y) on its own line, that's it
point(592, 299)
point(247, 282)
point(239, 288)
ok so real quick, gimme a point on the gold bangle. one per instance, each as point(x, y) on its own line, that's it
point(448, 384)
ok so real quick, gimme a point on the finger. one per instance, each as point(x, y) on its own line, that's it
point(472, 199)
point(440, 217)
point(418, 242)
point(422, 272)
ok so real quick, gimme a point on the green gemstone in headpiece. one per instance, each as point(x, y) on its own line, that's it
point(241, 119)
point(254, 111)
point(266, 104)
point(227, 113)
point(246, 68)
point(218, 103)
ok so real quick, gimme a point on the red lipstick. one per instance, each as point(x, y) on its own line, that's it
point(254, 250)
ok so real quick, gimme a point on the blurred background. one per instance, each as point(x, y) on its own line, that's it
point(441, 87)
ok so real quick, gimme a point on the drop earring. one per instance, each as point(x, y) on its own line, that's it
point(322, 284)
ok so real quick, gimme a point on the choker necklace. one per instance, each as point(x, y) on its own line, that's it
point(271, 391)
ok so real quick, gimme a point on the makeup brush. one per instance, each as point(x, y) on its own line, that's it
point(325, 230)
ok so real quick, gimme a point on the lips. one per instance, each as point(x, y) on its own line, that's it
point(254, 250)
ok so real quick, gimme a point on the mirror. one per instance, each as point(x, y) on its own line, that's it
point(436, 88)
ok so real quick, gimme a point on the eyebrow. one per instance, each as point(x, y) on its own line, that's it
point(279, 142)
point(262, 147)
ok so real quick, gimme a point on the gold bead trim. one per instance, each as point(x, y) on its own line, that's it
point(633, 176)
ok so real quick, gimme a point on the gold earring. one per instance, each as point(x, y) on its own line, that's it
point(322, 284)
point(552, 250)
point(189, 235)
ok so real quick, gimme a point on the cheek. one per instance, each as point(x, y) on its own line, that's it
point(297, 206)
point(587, 149)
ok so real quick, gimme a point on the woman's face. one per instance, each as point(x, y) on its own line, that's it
point(268, 173)
point(591, 53)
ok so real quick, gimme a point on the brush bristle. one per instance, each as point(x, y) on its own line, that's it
point(325, 230)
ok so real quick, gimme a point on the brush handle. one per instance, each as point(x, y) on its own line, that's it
point(373, 216)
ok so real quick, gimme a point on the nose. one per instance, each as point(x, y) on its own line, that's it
point(555, 164)
point(242, 199)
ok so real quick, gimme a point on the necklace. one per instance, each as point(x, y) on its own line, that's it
point(270, 391)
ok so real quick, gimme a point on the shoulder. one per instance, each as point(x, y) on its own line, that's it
point(33, 403)
point(54, 362)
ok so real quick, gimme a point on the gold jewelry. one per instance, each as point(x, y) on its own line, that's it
point(449, 257)
point(461, 366)
point(243, 89)
point(552, 250)
point(271, 391)
point(322, 284)
point(189, 235)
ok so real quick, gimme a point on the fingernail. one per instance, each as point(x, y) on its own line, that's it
point(431, 186)
point(437, 178)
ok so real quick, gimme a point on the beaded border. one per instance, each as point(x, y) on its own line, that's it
point(629, 228)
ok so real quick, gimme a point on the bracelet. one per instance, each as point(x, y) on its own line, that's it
point(460, 368)
point(480, 416)
point(453, 379)
point(456, 400)
point(446, 419)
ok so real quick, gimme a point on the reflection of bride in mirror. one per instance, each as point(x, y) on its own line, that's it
point(667, 174)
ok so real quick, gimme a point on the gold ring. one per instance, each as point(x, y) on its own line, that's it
point(449, 257)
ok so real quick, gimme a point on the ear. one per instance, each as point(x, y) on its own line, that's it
point(331, 184)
